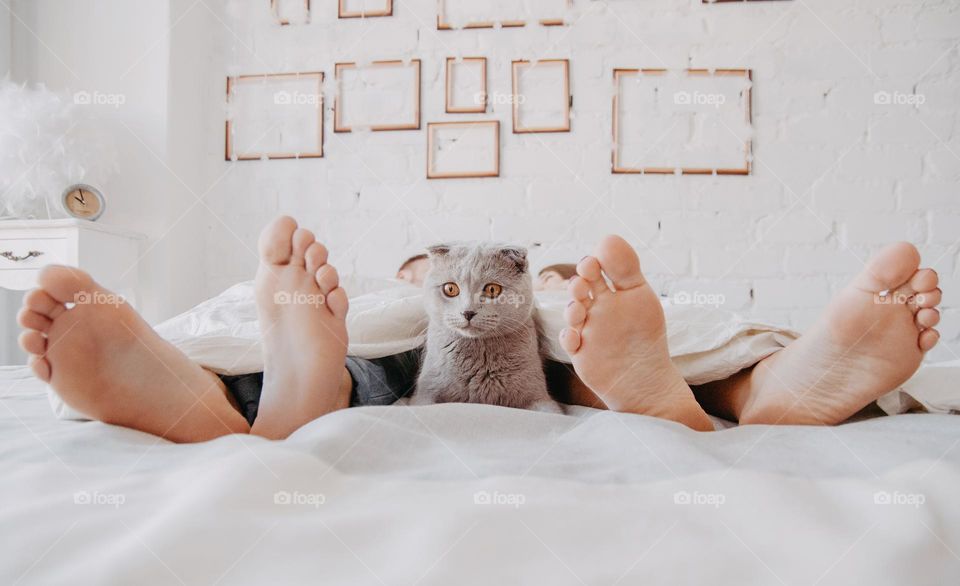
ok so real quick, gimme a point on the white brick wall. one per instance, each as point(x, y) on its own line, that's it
point(836, 175)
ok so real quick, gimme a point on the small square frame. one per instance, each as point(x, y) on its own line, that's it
point(283, 21)
point(517, 66)
point(442, 25)
point(342, 11)
point(452, 108)
point(228, 142)
point(432, 126)
point(747, 74)
point(337, 120)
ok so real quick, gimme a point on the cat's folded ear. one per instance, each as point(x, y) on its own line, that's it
point(438, 250)
point(517, 255)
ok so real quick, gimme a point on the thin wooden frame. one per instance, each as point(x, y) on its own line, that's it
point(432, 126)
point(517, 65)
point(283, 21)
point(228, 146)
point(442, 25)
point(342, 11)
point(747, 74)
point(480, 108)
point(337, 111)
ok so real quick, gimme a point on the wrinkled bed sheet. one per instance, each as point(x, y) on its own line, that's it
point(473, 494)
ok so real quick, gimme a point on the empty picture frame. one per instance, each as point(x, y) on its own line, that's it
point(541, 96)
point(274, 116)
point(291, 11)
point(466, 90)
point(364, 8)
point(384, 95)
point(694, 121)
point(455, 14)
point(458, 150)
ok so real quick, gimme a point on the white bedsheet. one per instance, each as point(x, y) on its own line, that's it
point(596, 498)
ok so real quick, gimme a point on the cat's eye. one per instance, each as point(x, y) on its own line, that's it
point(492, 290)
point(451, 289)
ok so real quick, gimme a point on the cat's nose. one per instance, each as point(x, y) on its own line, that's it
point(468, 315)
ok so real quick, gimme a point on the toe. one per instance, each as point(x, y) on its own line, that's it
point(890, 268)
point(301, 241)
point(316, 257)
point(924, 280)
point(589, 270)
point(928, 299)
point(41, 302)
point(276, 241)
point(65, 284)
point(620, 262)
point(327, 279)
point(338, 303)
point(32, 320)
point(929, 339)
point(580, 290)
point(575, 314)
point(927, 318)
point(40, 368)
point(570, 340)
point(33, 342)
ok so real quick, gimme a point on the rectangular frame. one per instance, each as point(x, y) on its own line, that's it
point(285, 22)
point(478, 109)
point(517, 129)
point(495, 172)
point(442, 25)
point(228, 142)
point(342, 11)
point(337, 122)
point(748, 148)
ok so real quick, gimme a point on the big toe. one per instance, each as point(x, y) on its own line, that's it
point(65, 284)
point(276, 241)
point(891, 267)
point(620, 262)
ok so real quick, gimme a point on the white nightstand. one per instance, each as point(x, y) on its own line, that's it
point(26, 246)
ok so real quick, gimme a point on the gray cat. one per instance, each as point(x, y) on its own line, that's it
point(484, 340)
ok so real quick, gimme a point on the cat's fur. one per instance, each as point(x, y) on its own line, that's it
point(494, 358)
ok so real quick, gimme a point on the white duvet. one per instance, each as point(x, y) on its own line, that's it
point(474, 494)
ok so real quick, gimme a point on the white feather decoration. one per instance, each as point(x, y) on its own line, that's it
point(46, 145)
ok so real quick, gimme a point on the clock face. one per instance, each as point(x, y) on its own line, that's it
point(83, 202)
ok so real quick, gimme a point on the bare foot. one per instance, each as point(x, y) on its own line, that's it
point(863, 347)
point(618, 339)
point(302, 312)
point(104, 360)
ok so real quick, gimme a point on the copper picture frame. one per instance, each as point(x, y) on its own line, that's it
point(229, 150)
point(432, 127)
point(443, 25)
point(618, 168)
point(518, 128)
point(343, 12)
point(339, 126)
point(274, 8)
point(480, 106)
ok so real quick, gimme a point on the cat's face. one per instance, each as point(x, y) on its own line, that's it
point(479, 290)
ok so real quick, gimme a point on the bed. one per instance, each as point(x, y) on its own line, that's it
point(473, 494)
